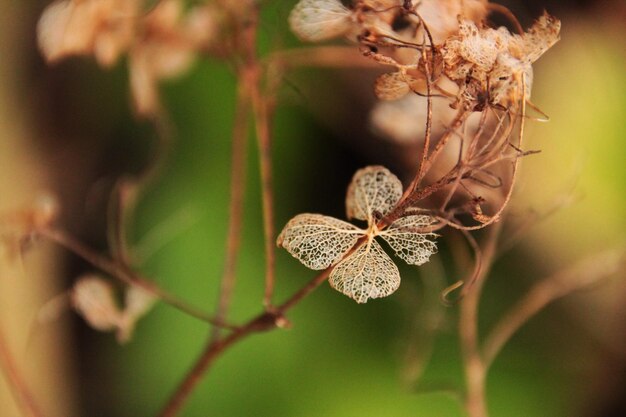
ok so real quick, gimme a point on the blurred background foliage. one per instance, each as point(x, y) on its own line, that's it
point(340, 358)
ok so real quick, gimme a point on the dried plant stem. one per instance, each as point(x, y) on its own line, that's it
point(583, 274)
point(21, 392)
point(263, 133)
point(459, 119)
point(127, 191)
point(124, 274)
point(263, 322)
point(475, 370)
point(321, 56)
point(237, 193)
point(429, 123)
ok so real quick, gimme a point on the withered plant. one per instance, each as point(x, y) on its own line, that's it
point(432, 51)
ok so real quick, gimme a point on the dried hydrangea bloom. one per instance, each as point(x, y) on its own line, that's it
point(164, 52)
point(487, 62)
point(318, 20)
point(321, 241)
point(103, 28)
point(441, 15)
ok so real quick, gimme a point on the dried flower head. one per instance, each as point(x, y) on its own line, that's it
point(318, 20)
point(103, 28)
point(321, 241)
point(95, 299)
point(489, 64)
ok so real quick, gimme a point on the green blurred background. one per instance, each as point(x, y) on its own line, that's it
point(340, 358)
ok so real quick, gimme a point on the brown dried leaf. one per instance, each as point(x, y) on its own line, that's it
point(373, 189)
point(367, 273)
point(318, 241)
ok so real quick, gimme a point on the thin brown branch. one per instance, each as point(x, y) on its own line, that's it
point(583, 274)
point(124, 274)
point(237, 192)
point(21, 392)
point(128, 190)
point(475, 371)
point(321, 56)
point(263, 132)
point(429, 120)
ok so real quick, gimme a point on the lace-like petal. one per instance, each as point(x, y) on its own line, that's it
point(367, 273)
point(543, 34)
point(318, 241)
point(373, 189)
point(137, 304)
point(94, 299)
point(392, 86)
point(318, 20)
point(406, 236)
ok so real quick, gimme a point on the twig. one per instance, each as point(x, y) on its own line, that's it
point(261, 115)
point(237, 192)
point(21, 392)
point(583, 274)
point(124, 274)
point(429, 120)
point(475, 371)
point(128, 190)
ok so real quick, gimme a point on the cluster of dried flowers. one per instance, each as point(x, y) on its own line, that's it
point(437, 48)
point(161, 42)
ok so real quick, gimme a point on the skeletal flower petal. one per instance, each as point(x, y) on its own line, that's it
point(137, 304)
point(543, 34)
point(367, 273)
point(407, 237)
point(66, 28)
point(94, 299)
point(394, 86)
point(373, 189)
point(318, 241)
point(318, 20)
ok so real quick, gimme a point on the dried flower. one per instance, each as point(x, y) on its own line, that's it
point(103, 28)
point(488, 64)
point(318, 20)
point(321, 241)
point(95, 299)
point(163, 52)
